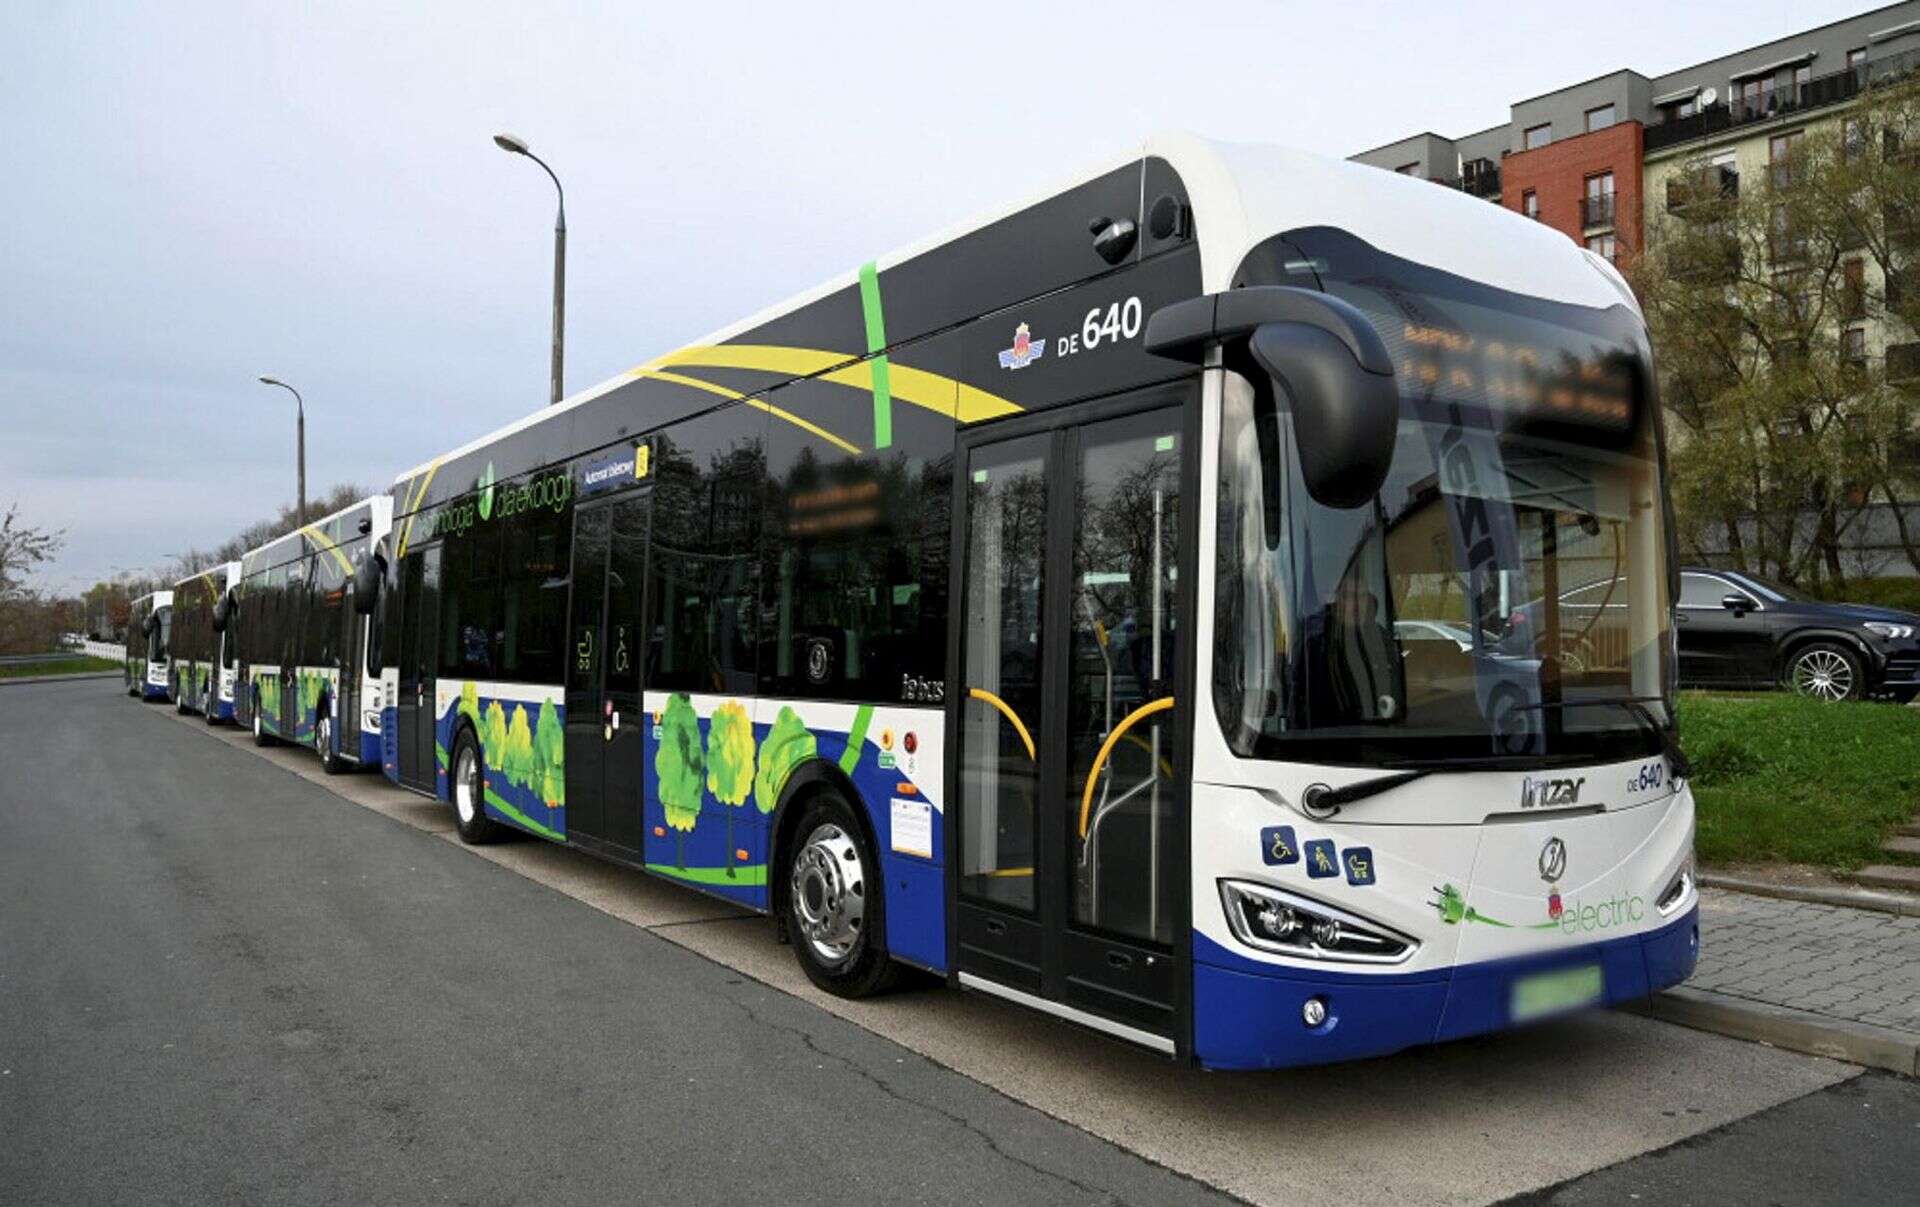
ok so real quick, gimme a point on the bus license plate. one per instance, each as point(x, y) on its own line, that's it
point(1555, 992)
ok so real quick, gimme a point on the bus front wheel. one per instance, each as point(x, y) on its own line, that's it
point(468, 789)
point(833, 903)
point(260, 735)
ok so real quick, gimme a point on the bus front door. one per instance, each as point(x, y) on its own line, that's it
point(419, 650)
point(1068, 805)
point(606, 716)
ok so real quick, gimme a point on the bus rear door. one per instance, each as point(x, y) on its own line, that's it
point(606, 716)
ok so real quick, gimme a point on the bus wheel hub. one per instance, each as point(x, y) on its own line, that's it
point(829, 893)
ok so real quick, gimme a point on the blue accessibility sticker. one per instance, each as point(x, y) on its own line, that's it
point(1359, 864)
point(1320, 859)
point(1277, 845)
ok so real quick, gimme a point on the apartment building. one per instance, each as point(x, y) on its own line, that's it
point(1591, 158)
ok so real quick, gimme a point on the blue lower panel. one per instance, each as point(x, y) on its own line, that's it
point(1247, 1015)
point(149, 691)
point(369, 749)
point(223, 711)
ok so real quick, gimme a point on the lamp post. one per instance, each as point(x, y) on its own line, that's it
point(300, 427)
point(518, 146)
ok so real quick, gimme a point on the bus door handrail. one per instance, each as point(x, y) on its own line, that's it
point(1013, 718)
point(1106, 751)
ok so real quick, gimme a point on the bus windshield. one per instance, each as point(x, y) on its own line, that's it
point(1505, 597)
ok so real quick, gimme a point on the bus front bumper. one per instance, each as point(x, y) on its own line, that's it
point(1249, 1015)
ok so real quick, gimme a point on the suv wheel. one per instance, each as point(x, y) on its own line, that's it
point(1826, 670)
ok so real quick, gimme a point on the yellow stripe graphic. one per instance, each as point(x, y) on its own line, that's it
point(777, 412)
point(930, 391)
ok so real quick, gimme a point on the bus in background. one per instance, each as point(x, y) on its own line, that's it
point(303, 651)
point(1032, 607)
point(149, 629)
point(201, 680)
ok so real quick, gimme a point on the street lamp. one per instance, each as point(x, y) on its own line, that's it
point(300, 426)
point(518, 146)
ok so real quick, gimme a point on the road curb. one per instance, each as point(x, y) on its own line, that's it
point(26, 679)
point(1784, 1027)
point(1852, 898)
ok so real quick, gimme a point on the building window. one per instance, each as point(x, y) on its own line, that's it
point(1853, 138)
point(1603, 246)
point(1409, 169)
point(1756, 97)
point(1530, 204)
point(1801, 75)
point(1853, 347)
point(1538, 136)
point(1853, 292)
point(1780, 155)
point(1599, 119)
point(1857, 59)
point(1596, 208)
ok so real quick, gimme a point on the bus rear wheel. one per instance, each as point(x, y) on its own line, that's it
point(467, 787)
point(833, 903)
point(330, 762)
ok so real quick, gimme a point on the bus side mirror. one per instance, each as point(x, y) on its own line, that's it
point(1346, 416)
point(366, 583)
point(222, 610)
point(149, 623)
point(1328, 358)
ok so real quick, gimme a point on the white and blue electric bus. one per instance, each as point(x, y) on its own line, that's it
point(201, 676)
point(1225, 601)
point(149, 628)
point(307, 666)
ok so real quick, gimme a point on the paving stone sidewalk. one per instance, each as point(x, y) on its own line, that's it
point(1853, 965)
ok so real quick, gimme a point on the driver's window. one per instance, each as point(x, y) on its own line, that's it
point(1702, 591)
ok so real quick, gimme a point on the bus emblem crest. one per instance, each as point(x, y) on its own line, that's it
point(1025, 350)
point(1553, 865)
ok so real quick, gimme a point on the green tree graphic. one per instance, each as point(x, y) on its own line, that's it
point(681, 766)
point(517, 764)
point(550, 747)
point(470, 702)
point(730, 763)
point(493, 734)
point(789, 743)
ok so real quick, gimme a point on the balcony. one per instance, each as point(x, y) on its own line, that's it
point(1903, 363)
point(1817, 93)
point(1707, 263)
point(1702, 189)
point(1480, 178)
point(1596, 210)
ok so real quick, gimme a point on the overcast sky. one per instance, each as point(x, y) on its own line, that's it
point(194, 194)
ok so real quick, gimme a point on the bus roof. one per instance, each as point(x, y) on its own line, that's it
point(327, 532)
point(1238, 194)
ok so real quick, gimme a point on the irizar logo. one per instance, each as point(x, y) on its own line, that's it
point(1540, 793)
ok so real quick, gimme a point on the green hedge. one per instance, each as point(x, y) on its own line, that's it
point(1903, 593)
point(1781, 778)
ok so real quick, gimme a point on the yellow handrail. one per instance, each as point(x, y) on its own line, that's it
point(1106, 748)
point(1012, 717)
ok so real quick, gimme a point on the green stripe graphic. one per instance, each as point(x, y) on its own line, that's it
point(857, 739)
point(876, 347)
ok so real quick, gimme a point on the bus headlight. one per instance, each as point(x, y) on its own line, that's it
point(1677, 892)
point(1274, 920)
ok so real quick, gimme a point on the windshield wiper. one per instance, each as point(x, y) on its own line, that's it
point(1333, 798)
point(1643, 719)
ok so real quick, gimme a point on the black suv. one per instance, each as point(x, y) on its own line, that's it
point(1739, 630)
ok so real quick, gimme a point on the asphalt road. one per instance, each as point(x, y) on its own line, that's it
point(222, 980)
point(219, 984)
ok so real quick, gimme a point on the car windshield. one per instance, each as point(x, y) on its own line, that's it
point(1526, 471)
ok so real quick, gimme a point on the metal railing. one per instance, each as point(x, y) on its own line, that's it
point(1701, 186)
point(1832, 89)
